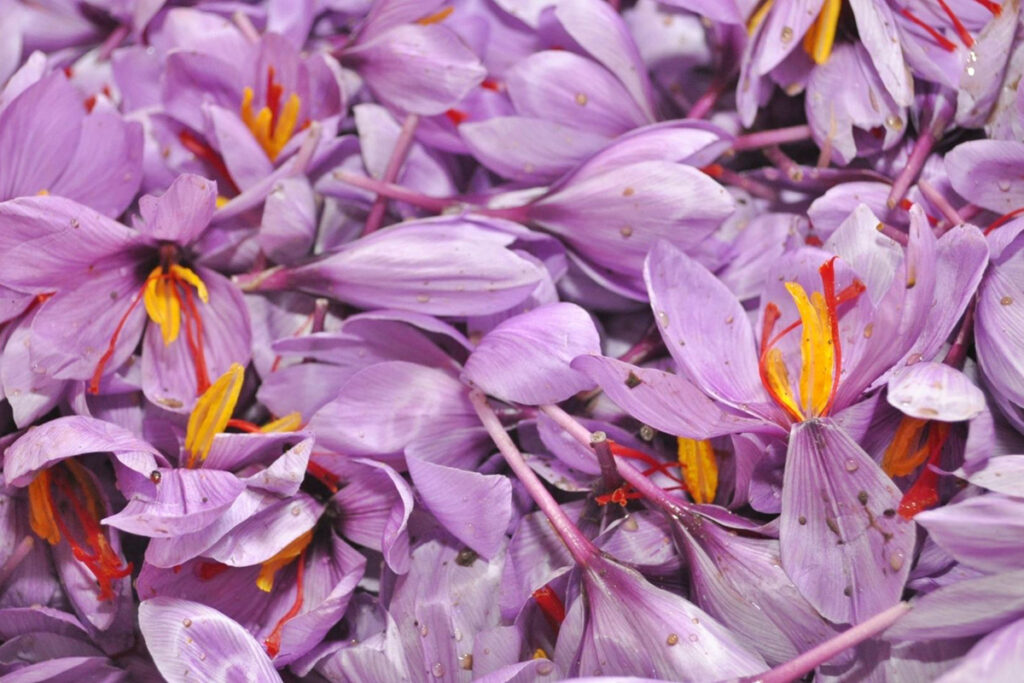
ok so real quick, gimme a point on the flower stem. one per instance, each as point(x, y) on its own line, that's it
point(610, 478)
point(111, 43)
point(568, 423)
point(940, 202)
point(396, 192)
point(580, 547)
point(770, 138)
point(244, 24)
point(801, 665)
point(398, 155)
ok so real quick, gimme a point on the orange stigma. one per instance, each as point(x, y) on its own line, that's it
point(273, 125)
point(78, 496)
point(820, 350)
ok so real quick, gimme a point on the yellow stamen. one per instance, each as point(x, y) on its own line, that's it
point(816, 349)
point(758, 16)
point(247, 115)
point(778, 379)
point(222, 201)
point(269, 569)
point(906, 452)
point(540, 653)
point(436, 17)
point(40, 509)
point(272, 135)
point(819, 38)
point(162, 301)
point(43, 193)
point(212, 412)
point(700, 470)
point(289, 423)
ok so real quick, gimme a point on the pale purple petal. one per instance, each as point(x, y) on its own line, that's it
point(191, 641)
point(182, 212)
point(935, 391)
point(982, 532)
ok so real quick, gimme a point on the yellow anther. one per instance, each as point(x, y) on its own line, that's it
point(247, 116)
point(285, 126)
point(289, 423)
point(269, 569)
point(778, 380)
point(40, 509)
point(758, 16)
point(212, 412)
point(700, 470)
point(222, 201)
point(819, 38)
point(816, 349)
point(436, 17)
point(163, 301)
point(43, 193)
point(540, 653)
point(270, 134)
point(906, 452)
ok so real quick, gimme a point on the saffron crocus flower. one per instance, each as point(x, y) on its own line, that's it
point(67, 502)
point(97, 273)
point(826, 471)
point(222, 480)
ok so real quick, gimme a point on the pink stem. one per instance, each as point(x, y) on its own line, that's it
point(702, 107)
point(111, 43)
point(397, 192)
point(801, 665)
point(915, 162)
point(782, 162)
point(893, 233)
point(21, 551)
point(568, 423)
point(398, 155)
point(936, 198)
point(757, 189)
point(580, 547)
point(768, 138)
point(244, 25)
point(610, 478)
point(273, 280)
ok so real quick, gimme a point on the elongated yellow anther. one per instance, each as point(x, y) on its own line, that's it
point(700, 469)
point(269, 569)
point(288, 423)
point(163, 301)
point(778, 380)
point(758, 16)
point(40, 509)
point(271, 130)
point(212, 412)
point(821, 36)
point(816, 349)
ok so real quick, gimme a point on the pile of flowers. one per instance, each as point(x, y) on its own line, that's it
point(511, 340)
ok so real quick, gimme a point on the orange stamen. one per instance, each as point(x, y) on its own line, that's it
point(551, 606)
point(273, 641)
point(944, 43)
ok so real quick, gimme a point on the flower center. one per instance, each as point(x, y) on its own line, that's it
point(168, 297)
point(79, 496)
point(273, 125)
point(820, 351)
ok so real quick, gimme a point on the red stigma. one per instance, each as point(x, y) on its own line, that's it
point(551, 606)
point(202, 151)
point(324, 476)
point(209, 570)
point(457, 116)
point(97, 375)
point(944, 43)
point(958, 25)
point(1002, 220)
point(274, 92)
point(272, 644)
point(924, 494)
point(491, 84)
point(244, 426)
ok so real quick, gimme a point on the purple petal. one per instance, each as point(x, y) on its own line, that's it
point(185, 502)
point(541, 342)
point(375, 510)
point(706, 329)
point(669, 403)
point(985, 172)
point(1004, 474)
point(420, 69)
point(996, 657)
point(965, 608)
point(475, 508)
point(192, 641)
point(935, 391)
point(181, 213)
point(67, 437)
point(876, 26)
point(843, 543)
point(384, 407)
point(437, 267)
point(265, 534)
point(982, 532)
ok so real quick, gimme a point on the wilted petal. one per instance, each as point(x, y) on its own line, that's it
point(842, 542)
point(190, 641)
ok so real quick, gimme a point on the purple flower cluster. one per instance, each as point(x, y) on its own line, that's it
point(511, 340)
